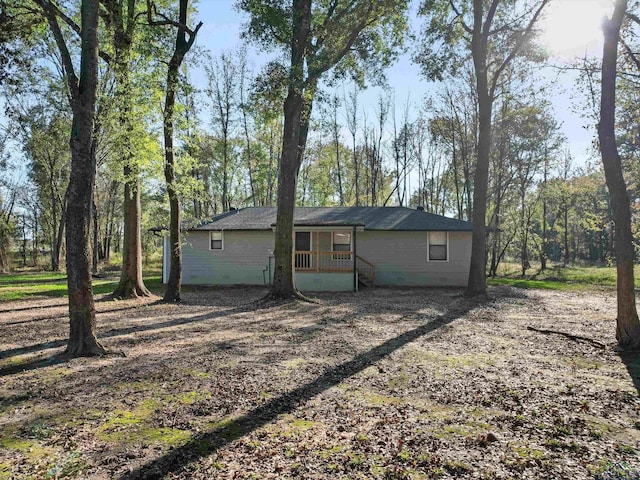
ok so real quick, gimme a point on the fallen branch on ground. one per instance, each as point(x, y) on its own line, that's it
point(576, 338)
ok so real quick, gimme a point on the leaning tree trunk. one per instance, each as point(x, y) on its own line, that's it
point(628, 325)
point(82, 313)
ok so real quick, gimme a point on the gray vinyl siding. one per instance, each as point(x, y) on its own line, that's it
point(401, 258)
point(243, 259)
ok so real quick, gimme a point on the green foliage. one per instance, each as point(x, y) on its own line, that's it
point(351, 37)
point(15, 287)
point(562, 278)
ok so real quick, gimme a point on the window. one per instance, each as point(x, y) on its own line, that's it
point(438, 247)
point(216, 241)
point(341, 243)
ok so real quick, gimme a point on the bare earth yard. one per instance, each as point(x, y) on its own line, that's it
point(386, 383)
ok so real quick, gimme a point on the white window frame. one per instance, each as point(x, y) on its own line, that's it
point(221, 232)
point(429, 246)
point(337, 254)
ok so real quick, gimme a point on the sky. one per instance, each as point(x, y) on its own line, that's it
point(571, 29)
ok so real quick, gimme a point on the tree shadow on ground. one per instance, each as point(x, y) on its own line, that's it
point(209, 442)
point(33, 364)
point(632, 361)
point(127, 330)
point(34, 307)
point(65, 313)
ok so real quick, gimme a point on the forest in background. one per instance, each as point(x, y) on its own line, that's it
point(541, 205)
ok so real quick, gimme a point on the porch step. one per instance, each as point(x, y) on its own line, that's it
point(364, 280)
point(366, 272)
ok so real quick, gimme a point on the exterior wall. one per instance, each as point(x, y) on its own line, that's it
point(324, 282)
point(401, 258)
point(244, 258)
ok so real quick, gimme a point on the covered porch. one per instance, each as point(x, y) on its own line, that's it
point(325, 258)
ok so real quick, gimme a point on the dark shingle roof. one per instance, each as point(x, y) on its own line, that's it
point(372, 218)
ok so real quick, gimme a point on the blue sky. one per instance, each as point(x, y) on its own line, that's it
point(573, 31)
point(572, 28)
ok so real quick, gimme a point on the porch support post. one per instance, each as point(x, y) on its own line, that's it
point(355, 270)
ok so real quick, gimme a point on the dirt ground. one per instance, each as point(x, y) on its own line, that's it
point(382, 384)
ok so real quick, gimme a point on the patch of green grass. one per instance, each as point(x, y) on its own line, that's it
point(376, 399)
point(22, 286)
point(431, 358)
point(329, 452)
point(131, 426)
point(573, 278)
point(528, 453)
point(32, 449)
point(527, 284)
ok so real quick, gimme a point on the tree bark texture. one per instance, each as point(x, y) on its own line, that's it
point(123, 22)
point(131, 284)
point(82, 313)
point(477, 283)
point(174, 284)
point(182, 46)
point(294, 138)
point(628, 325)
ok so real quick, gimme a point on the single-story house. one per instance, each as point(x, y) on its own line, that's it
point(336, 248)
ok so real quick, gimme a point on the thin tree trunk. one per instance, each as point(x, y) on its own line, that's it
point(477, 283)
point(94, 250)
point(182, 46)
point(628, 325)
point(57, 246)
point(543, 249)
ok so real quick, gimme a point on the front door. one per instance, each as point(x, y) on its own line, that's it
point(303, 244)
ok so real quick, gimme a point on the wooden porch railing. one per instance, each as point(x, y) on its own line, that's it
point(366, 269)
point(323, 261)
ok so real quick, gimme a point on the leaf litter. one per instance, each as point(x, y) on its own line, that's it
point(380, 384)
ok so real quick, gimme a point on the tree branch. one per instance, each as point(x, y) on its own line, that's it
point(461, 17)
point(52, 18)
point(516, 49)
point(577, 338)
point(490, 14)
point(630, 53)
point(166, 21)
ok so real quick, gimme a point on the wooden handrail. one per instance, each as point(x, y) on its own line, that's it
point(365, 261)
point(323, 261)
point(368, 268)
